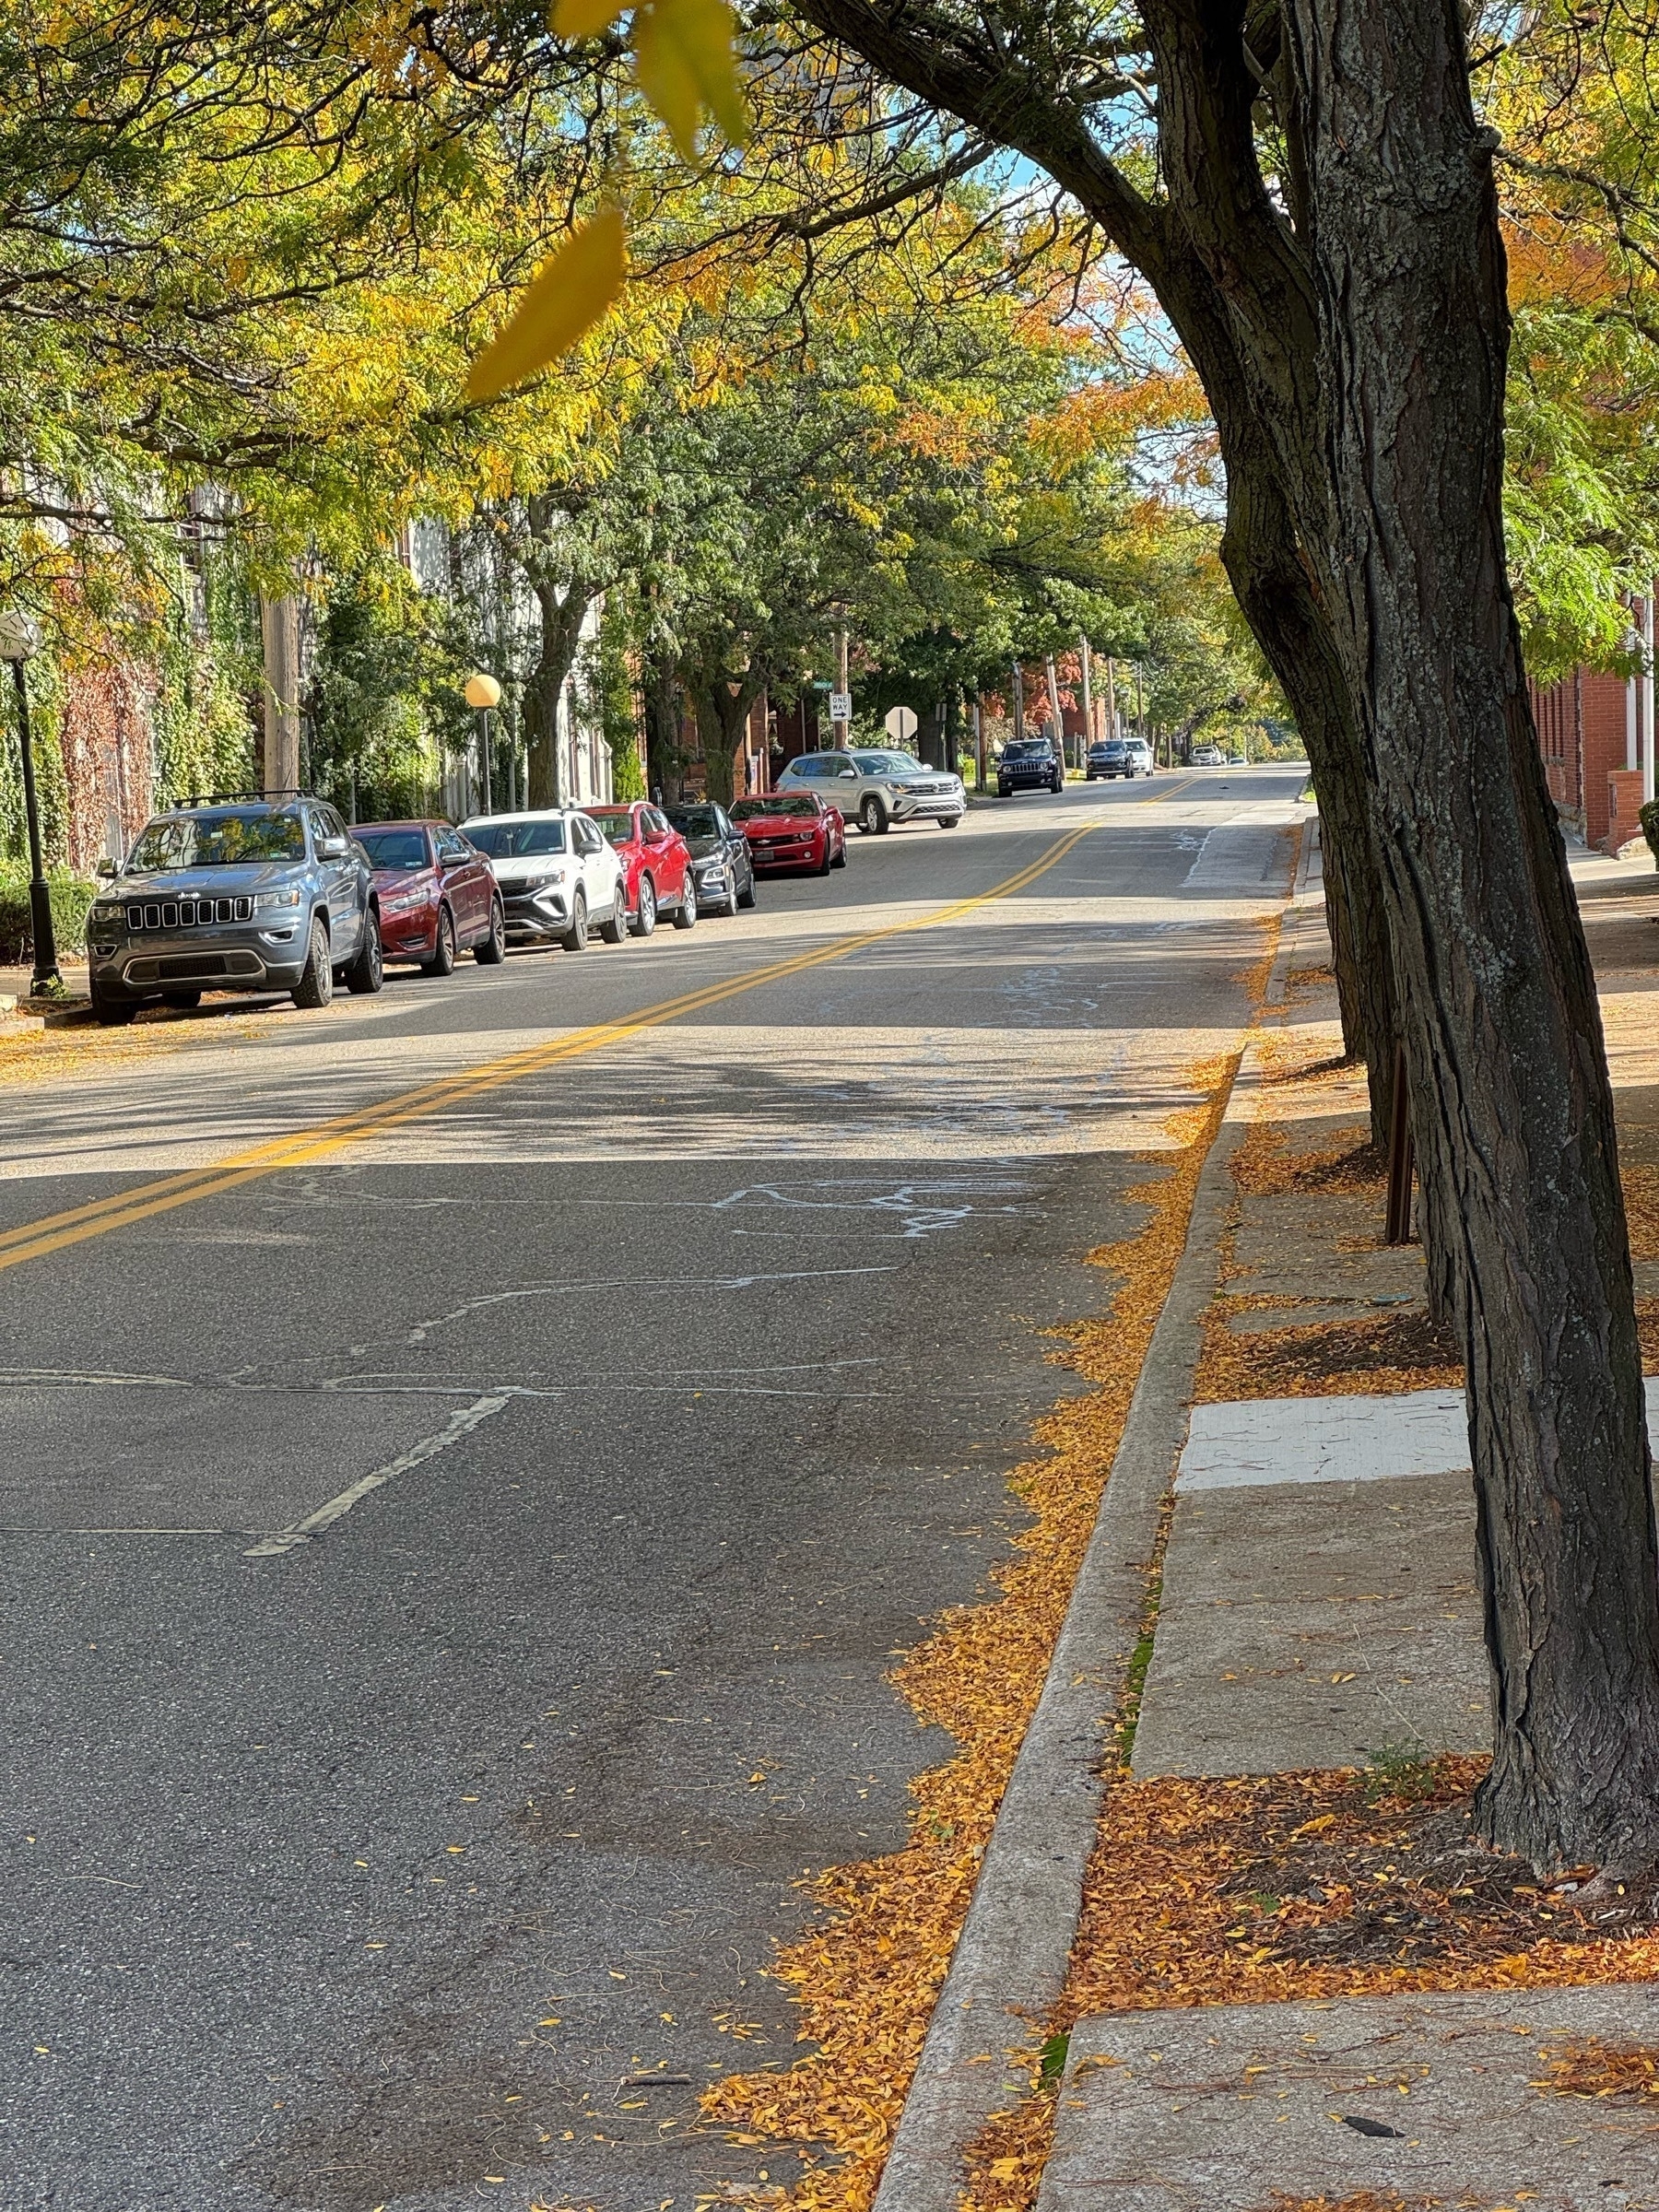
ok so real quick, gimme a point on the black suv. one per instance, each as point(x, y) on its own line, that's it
point(269, 892)
point(1029, 764)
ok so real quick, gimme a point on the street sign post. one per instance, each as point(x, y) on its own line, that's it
point(19, 641)
point(901, 724)
point(841, 706)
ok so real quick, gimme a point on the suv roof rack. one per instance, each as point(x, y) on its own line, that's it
point(233, 798)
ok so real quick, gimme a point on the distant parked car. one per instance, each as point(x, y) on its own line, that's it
point(792, 829)
point(1029, 764)
point(556, 874)
point(1208, 756)
point(438, 895)
point(720, 857)
point(249, 894)
point(1118, 756)
point(656, 862)
point(876, 788)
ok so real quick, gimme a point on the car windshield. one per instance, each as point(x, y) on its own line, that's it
point(394, 848)
point(696, 822)
point(217, 840)
point(783, 802)
point(618, 827)
point(516, 840)
point(887, 764)
point(1029, 748)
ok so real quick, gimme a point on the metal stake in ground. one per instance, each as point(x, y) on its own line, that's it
point(19, 641)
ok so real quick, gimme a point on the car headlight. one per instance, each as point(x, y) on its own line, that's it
point(405, 902)
point(271, 902)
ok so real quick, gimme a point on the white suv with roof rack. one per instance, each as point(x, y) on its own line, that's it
point(877, 787)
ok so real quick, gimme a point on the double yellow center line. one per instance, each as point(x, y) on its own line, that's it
point(34, 1239)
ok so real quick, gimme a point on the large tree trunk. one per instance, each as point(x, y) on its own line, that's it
point(722, 707)
point(1502, 1017)
point(561, 621)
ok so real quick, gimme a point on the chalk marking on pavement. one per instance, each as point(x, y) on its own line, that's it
point(303, 1532)
point(54, 1232)
point(423, 1329)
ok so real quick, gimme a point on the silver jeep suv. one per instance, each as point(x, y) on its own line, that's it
point(877, 789)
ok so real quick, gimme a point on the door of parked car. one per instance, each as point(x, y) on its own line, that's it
point(340, 864)
point(601, 870)
point(467, 884)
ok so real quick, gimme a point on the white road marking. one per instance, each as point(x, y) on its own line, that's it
point(458, 1425)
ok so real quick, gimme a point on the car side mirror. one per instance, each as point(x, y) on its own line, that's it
point(106, 869)
point(333, 848)
point(846, 775)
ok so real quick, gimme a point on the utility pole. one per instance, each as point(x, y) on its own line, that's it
point(844, 684)
point(1085, 655)
point(1054, 693)
point(1019, 703)
point(1647, 695)
point(1112, 728)
point(279, 632)
point(19, 641)
point(978, 746)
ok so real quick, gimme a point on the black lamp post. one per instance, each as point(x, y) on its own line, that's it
point(19, 641)
point(483, 692)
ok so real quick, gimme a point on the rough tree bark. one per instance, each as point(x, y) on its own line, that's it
point(1504, 1020)
point(1352, 343)
point(720, 703)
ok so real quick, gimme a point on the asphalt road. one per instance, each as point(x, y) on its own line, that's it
point(668, 1380)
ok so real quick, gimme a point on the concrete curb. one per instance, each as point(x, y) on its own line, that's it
point(1010, 1959)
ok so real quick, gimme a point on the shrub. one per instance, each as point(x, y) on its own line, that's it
point(71, 898)
point(1649, 818)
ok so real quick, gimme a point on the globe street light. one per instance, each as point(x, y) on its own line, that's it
point(19, 641)
point(483, 692)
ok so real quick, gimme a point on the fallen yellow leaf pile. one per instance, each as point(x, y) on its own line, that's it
point(1593, 2068)
point(1266, 1889)
point(867, 1977)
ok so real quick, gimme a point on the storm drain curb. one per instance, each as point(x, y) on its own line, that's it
point(1010, 1965)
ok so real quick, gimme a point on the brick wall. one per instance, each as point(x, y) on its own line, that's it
point(1581, 721)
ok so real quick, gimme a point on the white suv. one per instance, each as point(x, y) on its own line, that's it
point(876, 788)
point(556, 875)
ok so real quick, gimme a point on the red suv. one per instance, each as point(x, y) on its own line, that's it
point(437, 893)
point(657, 862)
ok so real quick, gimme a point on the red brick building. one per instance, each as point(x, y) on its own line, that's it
point(1585, 724)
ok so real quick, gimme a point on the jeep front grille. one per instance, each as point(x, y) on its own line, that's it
point(188, 913)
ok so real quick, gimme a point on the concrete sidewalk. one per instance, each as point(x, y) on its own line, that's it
point(1320, 1610)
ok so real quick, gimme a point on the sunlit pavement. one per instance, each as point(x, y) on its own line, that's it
point(451, 1578)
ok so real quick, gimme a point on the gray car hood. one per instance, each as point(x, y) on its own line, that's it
point(249, 877)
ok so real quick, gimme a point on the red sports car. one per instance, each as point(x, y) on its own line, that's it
point(438, 895)
point(792, 829)
point(656, 861)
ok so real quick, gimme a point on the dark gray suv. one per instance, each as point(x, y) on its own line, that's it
point(269, 893)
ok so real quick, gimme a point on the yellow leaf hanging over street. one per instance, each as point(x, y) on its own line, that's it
point(584, 18)
point(683, 50)
point(567, 296)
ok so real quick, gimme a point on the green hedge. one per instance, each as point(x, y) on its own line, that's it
point(1649, 819)
point(71, 897)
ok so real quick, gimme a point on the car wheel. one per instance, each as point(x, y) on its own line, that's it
point(840, 856)
point(828, 862)
point(575, 937)
point(950, 821)
point(316, 987)
point(368, 971)
point(685, 914)
point(442, 961)
point(745, 898)
point(873, 817)
point(492, 951)
point(730, 908)
point(645, 913)
point(111, 1013)
point(613, 928)
point(186, 1002)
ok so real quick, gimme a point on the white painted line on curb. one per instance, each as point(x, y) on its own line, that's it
point(459, 1425)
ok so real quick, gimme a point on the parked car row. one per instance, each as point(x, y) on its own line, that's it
point(272, 892)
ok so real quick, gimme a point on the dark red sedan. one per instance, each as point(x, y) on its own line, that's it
point(438, 895)
point(656, 861)
point(792, 829)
